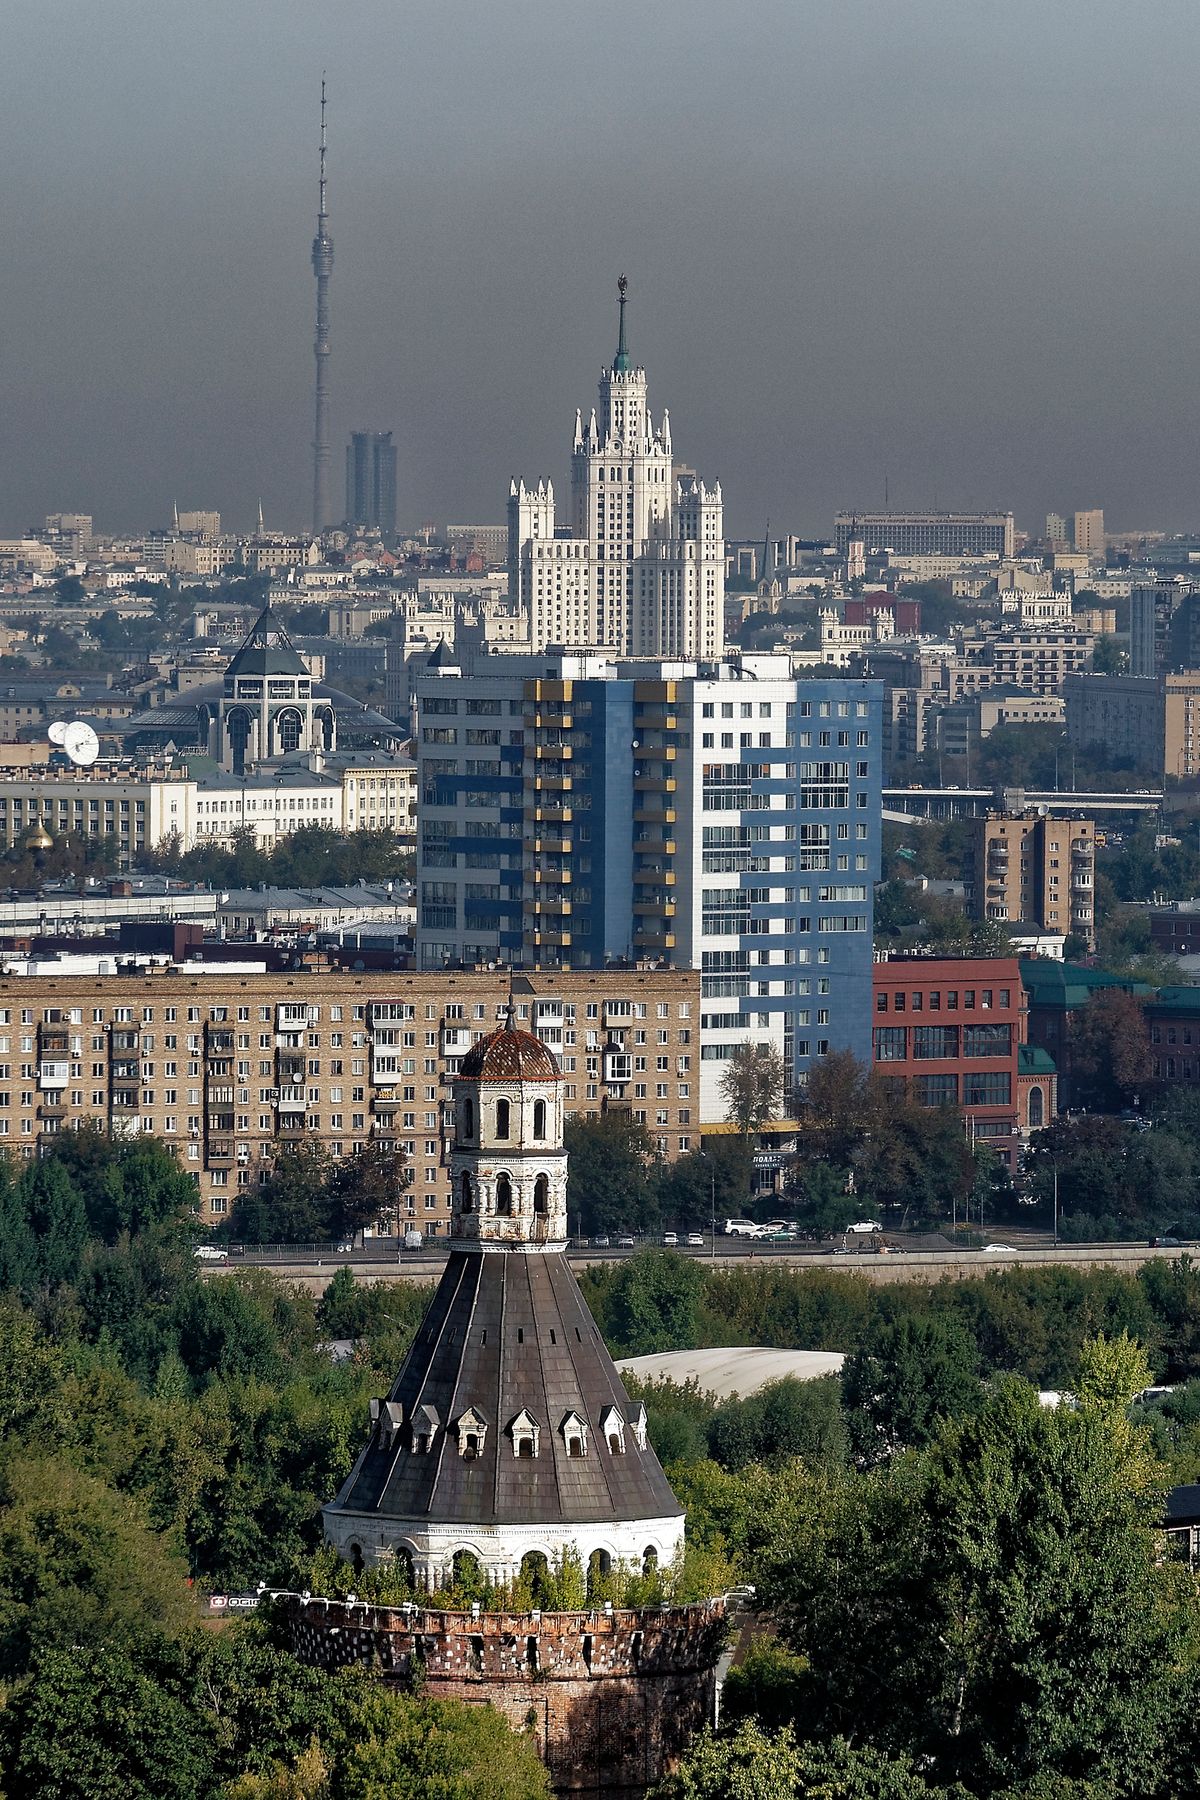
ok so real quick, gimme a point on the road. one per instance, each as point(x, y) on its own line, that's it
point(930, 1259)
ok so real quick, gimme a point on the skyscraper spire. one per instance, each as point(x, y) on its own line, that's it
point(322, 262)
point(621, 360)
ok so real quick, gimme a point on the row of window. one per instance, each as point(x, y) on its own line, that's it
point(931, 1043)
point(921, 1000)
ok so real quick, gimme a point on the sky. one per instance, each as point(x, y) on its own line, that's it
point(941, 245)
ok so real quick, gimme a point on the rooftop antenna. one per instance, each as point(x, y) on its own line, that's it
point(322, 262)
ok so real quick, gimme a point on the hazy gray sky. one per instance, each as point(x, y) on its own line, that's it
point(946, 241)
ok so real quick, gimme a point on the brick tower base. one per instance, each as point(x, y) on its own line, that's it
point(610, 1698)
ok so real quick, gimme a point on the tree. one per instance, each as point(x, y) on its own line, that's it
point(784, 1419)
point(751, 1086)
point(18, 1249)
point(818, 1192)
point(1109, 1050)
point(613, 1173)
point(62, 1744)
point(397, 1748)
point(705, 1183)
point(911, 1375)
point(838, 1107)
point(69, 591)
point(296, 1204)
point(753, 1764)
point(365, 1188)
point(55, 1210)
point(1009, 1584)
point(654, 1303)
point(79, 1565)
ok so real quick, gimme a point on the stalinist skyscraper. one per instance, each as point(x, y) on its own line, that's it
point(641, 566)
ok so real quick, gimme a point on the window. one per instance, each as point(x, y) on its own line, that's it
point(936, 1090)
point(931, 1042)
point(539, 1119)
point(987, 1040)
point(541, 1196)
point(890, 1043)
point(504, 1196)
point(502, 1124)
point(987, 1089)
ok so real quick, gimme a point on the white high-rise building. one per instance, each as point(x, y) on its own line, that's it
point(640, 569)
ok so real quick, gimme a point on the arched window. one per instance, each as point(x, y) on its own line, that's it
point(237, 727)
point(290, 725)
point(468, 1194)
point(1037, 1108)
point(356, 1558)
point(541, 1194)
point(405, 1566)
point(539, 1118)
point(502, 1118)
point(468, 1576)
point(504, 1204)
point(649, 1560)
point(468, 1119)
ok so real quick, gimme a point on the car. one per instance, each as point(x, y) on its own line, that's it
point(864, 1227)
point(210, 1253)
point(670, 1239)
point(742, 1228)
point(413, 1239)
point(839, 1250)
point(626, 1242)
point(601, 1240)
point(695, 1240)
point(999, 1249)
point(345, 1247)
point(1165, 1243)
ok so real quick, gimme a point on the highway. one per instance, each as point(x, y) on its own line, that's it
point(928, 1258)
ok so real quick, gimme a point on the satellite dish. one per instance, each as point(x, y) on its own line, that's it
point(81, 743)
point(58, 732)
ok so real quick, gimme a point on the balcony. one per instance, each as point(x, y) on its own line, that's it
point(54, 1075)
point(220, 1043)
point(220, 1154)
point(53, 1043)
point(385, 1069)
point(126, 1070)
point(219, 1123)
point(292, 1070)
point(53, 1106)
point(292, 1099)
point(124, 1041)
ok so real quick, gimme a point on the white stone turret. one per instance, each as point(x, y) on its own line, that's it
point(508, 1166)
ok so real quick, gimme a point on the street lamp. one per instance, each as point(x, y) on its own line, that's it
point(712, 1178)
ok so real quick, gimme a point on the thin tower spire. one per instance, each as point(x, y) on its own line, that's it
point(621, 359)
point(322, 262)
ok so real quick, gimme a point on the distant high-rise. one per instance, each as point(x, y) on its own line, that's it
point(1089, 533)
point(1056, 529)
point(928, 534)
point(322, 262)
point(640, 567)
point(371, 481)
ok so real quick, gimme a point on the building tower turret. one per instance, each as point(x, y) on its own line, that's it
point(507, 1435)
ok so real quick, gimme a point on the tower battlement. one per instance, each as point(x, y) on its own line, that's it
point(611, 1697)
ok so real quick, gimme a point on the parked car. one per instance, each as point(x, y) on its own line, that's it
point(345, 1247)
point(626, 1242)
point(742, 1228)
point(1165, 1243)
point(695, 1240)
point(210, 1253)
point(999, 1249)
point(601, 1240)
point(670, 1239)
point(413, 1239)
point(864, 1227)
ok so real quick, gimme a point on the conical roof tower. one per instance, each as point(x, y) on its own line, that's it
point(507, 1434)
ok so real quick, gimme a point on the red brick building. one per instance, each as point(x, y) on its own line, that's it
point(950, 1030)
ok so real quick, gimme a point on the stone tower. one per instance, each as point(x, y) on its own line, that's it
point(507, 1436)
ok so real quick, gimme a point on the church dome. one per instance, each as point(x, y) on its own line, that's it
point(509, 1055)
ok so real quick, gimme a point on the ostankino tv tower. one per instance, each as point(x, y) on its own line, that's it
point(322, 262)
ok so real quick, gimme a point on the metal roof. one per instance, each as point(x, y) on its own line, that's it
point(507, 1334)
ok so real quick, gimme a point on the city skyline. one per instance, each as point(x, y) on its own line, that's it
point(930, 269)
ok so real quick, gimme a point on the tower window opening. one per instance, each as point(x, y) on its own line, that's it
point(574, 1446)
point(468, 1118)
point(539, 1118)
point(541, 1194)
point(502, 1112)
point(471, 1447)
point(504, 1196)
point(468, 1196)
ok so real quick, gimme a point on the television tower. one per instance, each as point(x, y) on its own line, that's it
point(322, 262)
